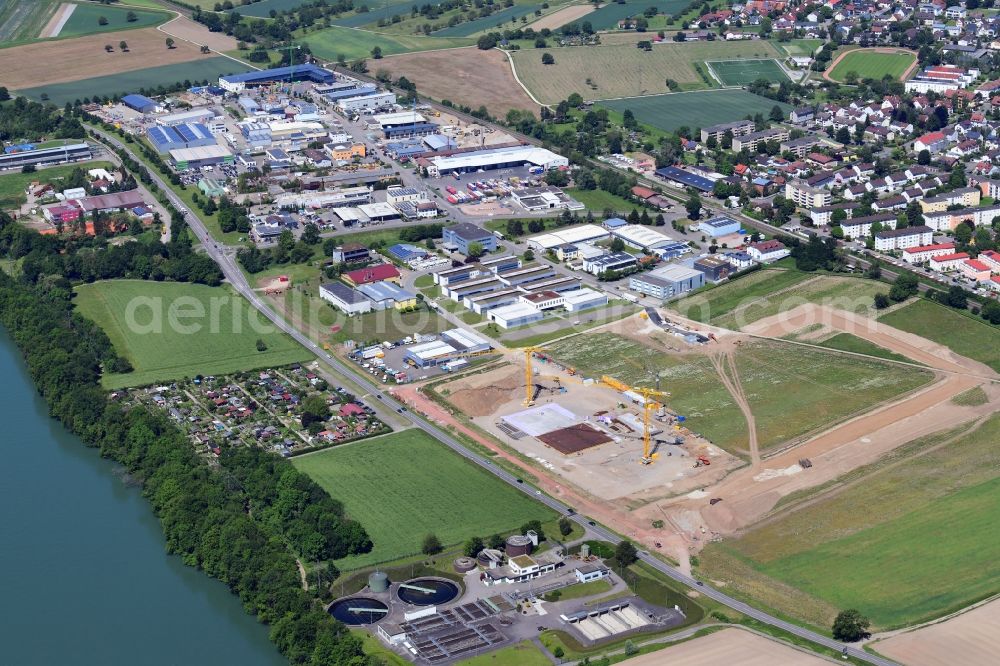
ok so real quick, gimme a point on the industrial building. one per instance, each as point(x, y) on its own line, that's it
point(366, 101)
point(183, 135)
point(199, 115)
point(583, 233)
point(515, 314)
point(73, 152)
point(308, 72)
point(461, 236)
point(666, 282)
point(453, 344)
point(686, 178)
point(139, 103)
point(369, 274)
point(526, 274)
point(193, 158)
point(386, 295)
point(616, 261)
point(495, 158)
point(403, 124)
point(719, 226)
point(343, 89)
point(641, 237)
point(344, 298)
point(544, 198)
point(714, 268)
point(351, 253)
point(583, 299)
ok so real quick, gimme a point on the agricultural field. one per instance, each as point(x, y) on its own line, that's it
point(852, 343)
point(608, 72)
point(754, 297)
point(84, 19)
point(607, 17)
point(467, 76)
point(563, 16)
point(260, 9)
point(219, 338)
point(694, 109)
point(965, 335)
point(407, 485)
point(378, 10)
point(829, 387)
point(492, 22)
point(13, 183)
point(22, 20)
point(210, 69)
point(329, 43)
point(31, 66)
point(744, 72)
point(903, 541)
point(872, 64)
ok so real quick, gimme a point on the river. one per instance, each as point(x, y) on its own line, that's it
point(84, 578)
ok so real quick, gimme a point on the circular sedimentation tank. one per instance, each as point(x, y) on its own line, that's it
point(431, 592)
point(464, 564)
point(378, 582)
point(358, 610)
point(518, 544)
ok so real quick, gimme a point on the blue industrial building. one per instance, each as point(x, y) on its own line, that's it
point(464, 234)
point(185, 135)
point(406, 148)
point(406, 253)
point(719, 226)
point(411, 129)
point(308, 72)
point(686, 178)
point(140, 103)
point(344, 93)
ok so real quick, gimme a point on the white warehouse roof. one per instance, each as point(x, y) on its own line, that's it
point(467, 339)
point(583, 295)
point(641, 236)
point(578, 234)
point(432, 350)
point(202, 153)
point(487, 158)
point(403, 117)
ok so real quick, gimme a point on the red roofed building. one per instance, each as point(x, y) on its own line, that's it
point(947, 262)
point(975, 270)
point(369, 274)
point(352, 409)
point(932, 141)
point(994, 282)
point(643, 192)
point(992, 259)
point(922, 253)
point(767, 251)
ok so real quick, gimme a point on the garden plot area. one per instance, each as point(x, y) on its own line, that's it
point(694, 109)
point(903, 540)
point(407, 485)
point(622, 70)
point(214, 331)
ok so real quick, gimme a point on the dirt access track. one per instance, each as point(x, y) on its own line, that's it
point(477, 78)
point(727, 647)
point(750, 493)
point(973, 637)
point(65, 60)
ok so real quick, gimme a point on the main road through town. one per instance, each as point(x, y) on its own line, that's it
point(226, 259)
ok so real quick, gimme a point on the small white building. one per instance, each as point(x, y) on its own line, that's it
point(344, 298)
point(767, 251)
point(583, 299)
point(515, 314)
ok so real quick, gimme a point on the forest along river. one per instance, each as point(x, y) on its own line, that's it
point(84, 576)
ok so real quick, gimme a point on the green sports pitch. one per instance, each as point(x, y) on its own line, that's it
point(744, 72)
point(694, 109)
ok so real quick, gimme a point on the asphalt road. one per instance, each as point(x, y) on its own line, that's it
point(227, 262)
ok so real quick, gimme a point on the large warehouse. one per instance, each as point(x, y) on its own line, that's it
point(184, 135)
point(192, 158)
point(583, 233)
point(497, 158)
point(237, 82)
point(641, 237)
point(72, 152)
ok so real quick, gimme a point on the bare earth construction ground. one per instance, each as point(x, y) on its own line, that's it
point(43, 63)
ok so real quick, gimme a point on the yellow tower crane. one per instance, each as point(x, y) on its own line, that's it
point(529, 382)
point(648, 407)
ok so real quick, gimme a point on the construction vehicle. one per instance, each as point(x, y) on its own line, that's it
point(529, 382)
point(702, 461)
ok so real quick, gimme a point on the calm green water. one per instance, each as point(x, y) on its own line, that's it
point(84, 578)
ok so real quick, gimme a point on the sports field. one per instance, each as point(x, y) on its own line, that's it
point(908, 539)
point(209, 69)
point(407, 485)
point(622, 70)
point(607, 17)
point(872, 64)
point(694, 109)
point(491, 22)
point(84, 19)
point(792, 390)
point(171, 330)
point(967, 336)
point(744, 72)
point(353, 44)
